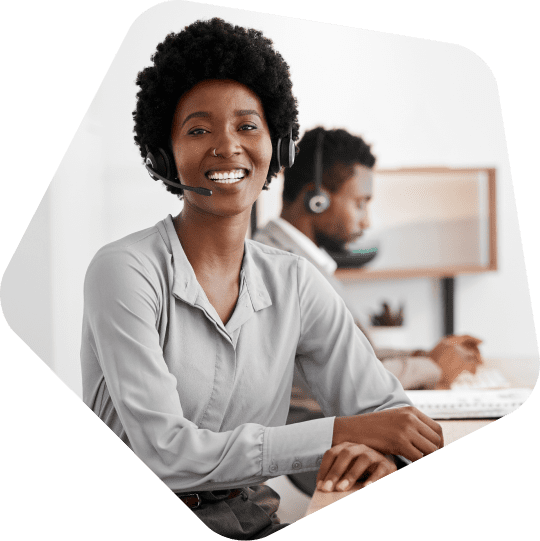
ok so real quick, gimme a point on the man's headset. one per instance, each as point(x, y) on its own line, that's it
point(316, 201)
point(160, 164)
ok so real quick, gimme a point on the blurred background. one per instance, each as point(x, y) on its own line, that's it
point(419, 103)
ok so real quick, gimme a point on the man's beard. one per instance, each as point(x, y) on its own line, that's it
point(330, 244)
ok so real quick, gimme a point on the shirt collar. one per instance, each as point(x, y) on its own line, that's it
point(260, 298)
point(185, 284)
point(319, 255)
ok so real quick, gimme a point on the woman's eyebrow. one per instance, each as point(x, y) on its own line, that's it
point(199, 114)
point(245, 112)
point(204, 114)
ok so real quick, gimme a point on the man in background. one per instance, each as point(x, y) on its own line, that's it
point(306, 227)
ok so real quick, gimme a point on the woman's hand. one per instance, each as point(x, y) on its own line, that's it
point(346, 463)
point(401, 431)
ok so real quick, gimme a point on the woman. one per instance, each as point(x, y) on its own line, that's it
point(190, 332)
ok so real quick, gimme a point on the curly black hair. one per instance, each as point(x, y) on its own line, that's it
point(213, 49)
point(341, 152)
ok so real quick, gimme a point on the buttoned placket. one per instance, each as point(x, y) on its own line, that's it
point(191, 292)
point(225, 368)
point(253, 296)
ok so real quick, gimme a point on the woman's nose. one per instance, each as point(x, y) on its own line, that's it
point(226, 145)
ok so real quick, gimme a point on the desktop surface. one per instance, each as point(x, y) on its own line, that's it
point(521, 374)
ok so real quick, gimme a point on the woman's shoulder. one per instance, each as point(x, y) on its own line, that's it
point(282, 262)
point(143, 250)
point(270, 258)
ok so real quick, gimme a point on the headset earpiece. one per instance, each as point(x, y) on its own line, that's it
point(317, 201)
point(160, 166)
point(160, 162)
point(285, 151)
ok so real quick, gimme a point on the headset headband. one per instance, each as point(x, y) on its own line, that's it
point(319, 162)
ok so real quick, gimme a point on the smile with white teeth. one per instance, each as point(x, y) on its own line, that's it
point(227, 177)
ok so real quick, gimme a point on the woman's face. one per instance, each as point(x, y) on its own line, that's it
point(226, 118)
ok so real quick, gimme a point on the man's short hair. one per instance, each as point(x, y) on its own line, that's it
point(341, 152)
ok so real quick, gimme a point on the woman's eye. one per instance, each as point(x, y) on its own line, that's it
point(247, 127)
point(197, 131)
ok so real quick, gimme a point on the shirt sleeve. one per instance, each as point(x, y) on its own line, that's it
point(414, 372)
point(334, 356)
point(122, 305)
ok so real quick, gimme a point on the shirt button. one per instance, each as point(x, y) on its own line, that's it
point(296, 465)
point(273, 468)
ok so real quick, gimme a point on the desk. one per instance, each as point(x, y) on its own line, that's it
point(519, 372)
point(452, 431)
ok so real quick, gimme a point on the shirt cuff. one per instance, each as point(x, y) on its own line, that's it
point(296, 448)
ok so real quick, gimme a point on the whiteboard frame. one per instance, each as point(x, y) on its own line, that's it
point(437, 272)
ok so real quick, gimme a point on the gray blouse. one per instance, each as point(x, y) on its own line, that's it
point(204, 404)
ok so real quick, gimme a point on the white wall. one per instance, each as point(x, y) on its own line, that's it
point(26, 285)
point(419, 102)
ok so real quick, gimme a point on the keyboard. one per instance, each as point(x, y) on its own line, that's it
point(468, 404)
point(485, 378)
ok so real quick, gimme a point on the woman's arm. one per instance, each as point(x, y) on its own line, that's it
point(121, 342)
point(348, 380)
point(404, 431)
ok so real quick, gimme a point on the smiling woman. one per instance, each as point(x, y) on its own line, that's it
point(191, 332)
point(221, 140)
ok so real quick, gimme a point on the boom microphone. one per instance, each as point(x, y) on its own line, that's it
point(156, 176)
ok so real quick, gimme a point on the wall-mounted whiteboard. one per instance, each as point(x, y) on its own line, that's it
point(430, 222)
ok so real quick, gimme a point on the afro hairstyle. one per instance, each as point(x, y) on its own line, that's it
point(213, 49)
point(341, 151)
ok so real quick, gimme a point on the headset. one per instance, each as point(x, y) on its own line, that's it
point(160, 164)
point(285, 151)
point(316, 201)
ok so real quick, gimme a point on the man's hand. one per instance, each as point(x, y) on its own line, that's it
point(401, 431)
point(346, 463)
point(455, 354)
